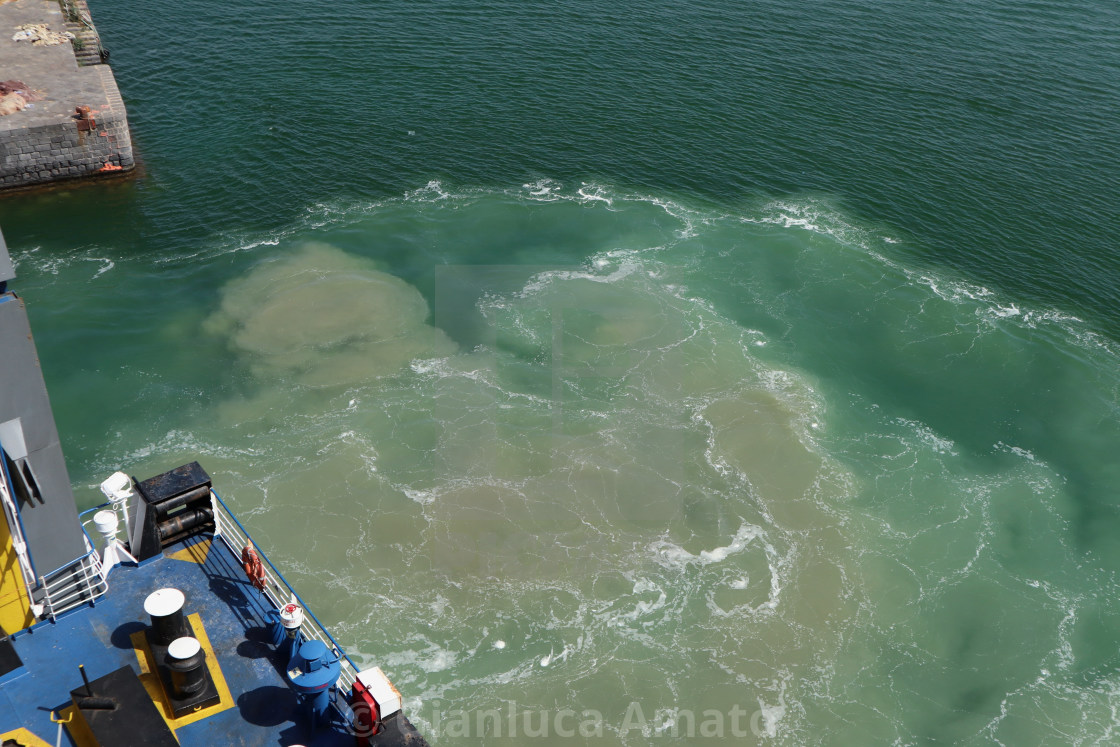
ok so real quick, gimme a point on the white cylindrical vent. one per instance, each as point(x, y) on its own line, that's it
point(106, 522)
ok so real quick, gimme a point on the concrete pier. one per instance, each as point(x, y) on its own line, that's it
point(49, 140)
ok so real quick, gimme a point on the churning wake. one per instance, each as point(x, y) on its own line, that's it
point(608, 449)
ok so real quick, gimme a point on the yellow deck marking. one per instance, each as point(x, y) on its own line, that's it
point(149, 676)
point(15, 607)
point(77, 726)
point(195, 553)
point(24, 737)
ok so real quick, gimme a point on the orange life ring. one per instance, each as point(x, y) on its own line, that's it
point(253, 567)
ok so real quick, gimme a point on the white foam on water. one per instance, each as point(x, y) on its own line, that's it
point(1016, 450)
point(1006, 311)
point(544, 190)
point(36, 260)
point(436, 366)
point(234, 243)
point(174, 442)
point(595, 193)
point(814, 215)
point(772, 715)
point(589, 193)
point(544, 280)
point(439, 605)
point(674, 557)
point(691, 220)
point(430, 192)
point(422, 653)
point(685, 582)
point(423, 497)
point(742, 538)
point(106, 265)
point(643, 608)
point(817, 216)
point(41, 263)
point(928, 437)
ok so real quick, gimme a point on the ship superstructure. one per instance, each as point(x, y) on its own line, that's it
point(152, 619)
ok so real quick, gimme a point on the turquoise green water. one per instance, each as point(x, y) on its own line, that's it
point(702, 374)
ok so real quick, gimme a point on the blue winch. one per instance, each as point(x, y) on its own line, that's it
point(313, 671)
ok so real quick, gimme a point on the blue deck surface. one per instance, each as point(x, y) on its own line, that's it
point(266, 711)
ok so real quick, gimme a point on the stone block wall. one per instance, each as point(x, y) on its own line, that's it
point(46, 152)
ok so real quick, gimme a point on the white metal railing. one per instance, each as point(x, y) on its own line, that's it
point(277, 589)
point(62, 589)
point(16, 530)
point(73, 585)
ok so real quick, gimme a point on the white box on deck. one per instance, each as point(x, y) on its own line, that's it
point(387, 697)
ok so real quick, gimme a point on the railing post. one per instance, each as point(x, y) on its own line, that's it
point(47, 605)
point(233, 534)
point(85, 576)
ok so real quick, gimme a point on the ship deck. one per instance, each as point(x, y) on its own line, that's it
point(258, 706)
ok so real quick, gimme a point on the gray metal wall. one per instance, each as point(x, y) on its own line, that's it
point(7, 272)
point(50, 520)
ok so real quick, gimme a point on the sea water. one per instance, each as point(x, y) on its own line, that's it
point(629, 375)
